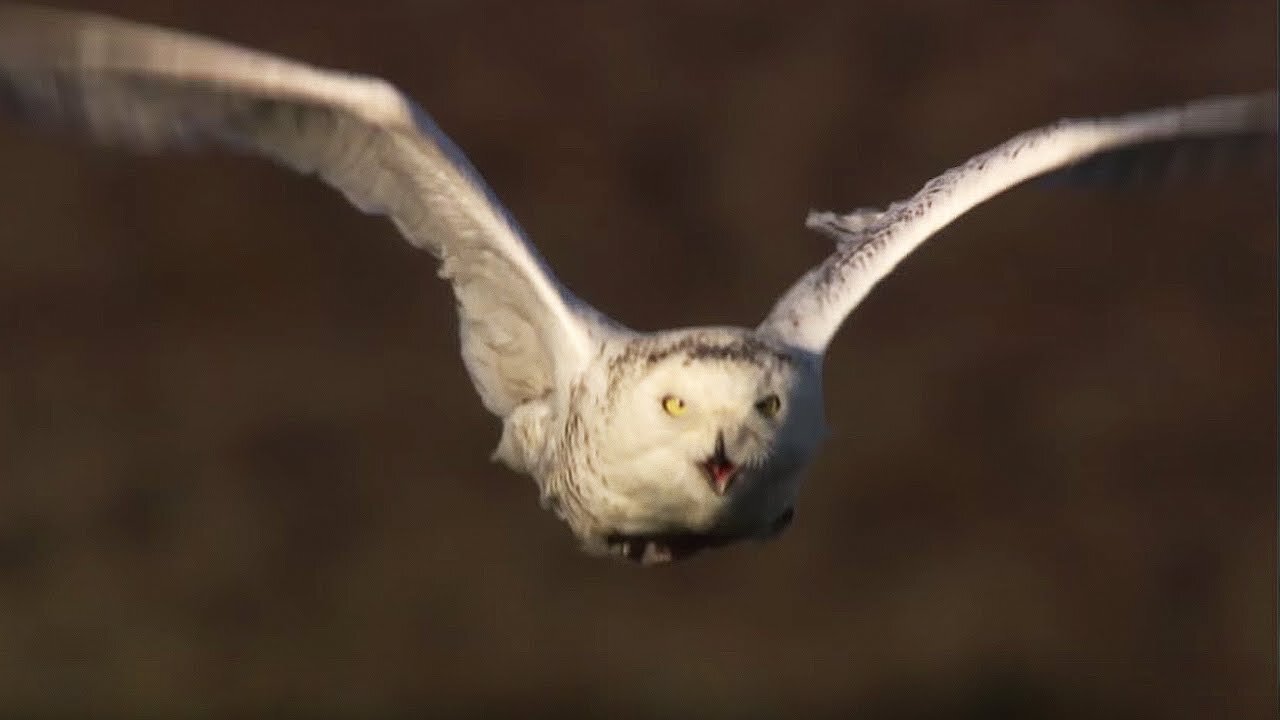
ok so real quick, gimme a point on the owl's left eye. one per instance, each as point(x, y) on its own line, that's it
point(769, 406)
point(673, 405)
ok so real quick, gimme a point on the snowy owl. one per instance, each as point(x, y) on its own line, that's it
point(648, 445)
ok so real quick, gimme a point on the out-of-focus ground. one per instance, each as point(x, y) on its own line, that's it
point(241, 466)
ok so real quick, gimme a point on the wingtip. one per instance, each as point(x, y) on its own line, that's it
point(1255, 111)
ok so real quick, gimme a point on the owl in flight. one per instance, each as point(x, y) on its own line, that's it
point(649, 445)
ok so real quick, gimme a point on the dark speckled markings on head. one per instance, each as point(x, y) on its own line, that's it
point(706, 346)
point(747, 349)
point(701, 345)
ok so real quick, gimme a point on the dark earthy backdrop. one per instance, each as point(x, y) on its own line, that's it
point(241, 466)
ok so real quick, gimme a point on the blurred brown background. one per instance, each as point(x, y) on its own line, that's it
point(241, 466)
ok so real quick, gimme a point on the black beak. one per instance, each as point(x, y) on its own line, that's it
point(720, 469)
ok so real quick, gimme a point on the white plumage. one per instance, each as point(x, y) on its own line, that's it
point(649, 445)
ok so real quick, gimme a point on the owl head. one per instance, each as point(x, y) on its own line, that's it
point(697, 438)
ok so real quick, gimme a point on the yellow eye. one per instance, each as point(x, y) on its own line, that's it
point(770, 406)
point(673, 405)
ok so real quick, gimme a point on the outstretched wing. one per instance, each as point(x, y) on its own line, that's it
point(870, 243)
point(151, 88)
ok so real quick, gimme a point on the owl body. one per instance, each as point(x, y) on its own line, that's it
point(629, 456)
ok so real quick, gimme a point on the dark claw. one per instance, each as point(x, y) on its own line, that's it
point(663, 548)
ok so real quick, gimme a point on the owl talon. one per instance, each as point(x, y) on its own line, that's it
point(661, 549)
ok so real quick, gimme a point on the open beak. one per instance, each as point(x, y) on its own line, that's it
point(720, 469)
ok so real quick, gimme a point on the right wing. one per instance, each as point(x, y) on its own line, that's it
point(151, 88)
point(871, 243)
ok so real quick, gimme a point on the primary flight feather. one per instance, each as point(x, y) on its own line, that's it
point(650, 446)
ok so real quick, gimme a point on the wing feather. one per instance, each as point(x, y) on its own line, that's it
point(871, 244)
point(152, 88)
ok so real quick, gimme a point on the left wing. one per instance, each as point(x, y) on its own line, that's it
point(871, 243)
point(524, 334)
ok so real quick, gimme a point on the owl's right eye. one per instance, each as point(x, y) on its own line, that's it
point(770, 406)
point(673, 405)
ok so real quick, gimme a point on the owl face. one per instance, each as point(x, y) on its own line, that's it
point(701, 441)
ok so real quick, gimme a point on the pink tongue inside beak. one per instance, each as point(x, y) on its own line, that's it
point(721, 473)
